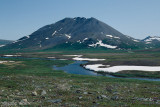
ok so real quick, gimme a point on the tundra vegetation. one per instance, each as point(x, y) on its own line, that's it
point(32, 81)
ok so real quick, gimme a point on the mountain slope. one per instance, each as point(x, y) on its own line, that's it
point(152, 41)
point(78, 33)
point(4, 42)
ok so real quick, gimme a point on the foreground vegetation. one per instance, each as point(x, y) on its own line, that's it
point(33, 82)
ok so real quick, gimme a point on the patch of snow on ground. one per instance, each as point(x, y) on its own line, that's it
point(2, 45)
point(109, 36)
point(54, 33)
point(116, 37)
point(68, 36)
point(92, 45)
point(78, 57)
point(103, 45)
point(2, 62)
point(5, 61)
point(15, 41)
point(74, 55)
point(148, 42)
point(28, 36)
point(11, 55)
point(85, 39)
point(115, 69)
point(87, 59)
point(135, 40)
point(79, 41)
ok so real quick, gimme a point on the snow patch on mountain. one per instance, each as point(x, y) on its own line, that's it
point(25, 38)
point(2, 45)
point(135, 40)
point(103, 45)
point(28, 36)
point(111, 36)
point(54, 33)
point(85, 39)
point(79, 41)
point(148, 42)
point(151, 38)
point(116, 37)
point(68, 36)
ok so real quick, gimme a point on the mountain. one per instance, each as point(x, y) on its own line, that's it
point(4, 42)
point(76, 33)
point(152, 41)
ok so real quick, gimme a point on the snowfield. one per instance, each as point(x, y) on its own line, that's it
point(2, 45)
point(78, 58)
point(114, 69)
point(87, 59)
point(135, 40)
point(54, 33)
point(5, 61)
point(68, 36)
point(11, 55)
point(73, 55)
point(103, 45)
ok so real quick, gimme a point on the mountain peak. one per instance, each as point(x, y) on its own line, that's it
point(80, 18)
point(86, 32)
point(150, 38)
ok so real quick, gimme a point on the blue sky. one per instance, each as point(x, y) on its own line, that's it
point(136, 18)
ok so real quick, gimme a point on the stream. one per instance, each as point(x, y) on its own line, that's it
point(75, 68)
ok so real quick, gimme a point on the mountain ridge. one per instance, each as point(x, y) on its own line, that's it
point(4, 42)
point(79, 31)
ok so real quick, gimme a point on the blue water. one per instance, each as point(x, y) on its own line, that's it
point(75, 68)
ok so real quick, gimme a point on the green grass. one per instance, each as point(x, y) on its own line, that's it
point(36, 66)
point(19, 80)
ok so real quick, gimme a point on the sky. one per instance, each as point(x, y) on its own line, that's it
point(136, 18)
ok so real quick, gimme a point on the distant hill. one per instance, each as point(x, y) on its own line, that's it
point(4, 42)
point(77, 33)
point(152, 41)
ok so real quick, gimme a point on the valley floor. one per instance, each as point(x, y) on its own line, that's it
point(33, 82)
